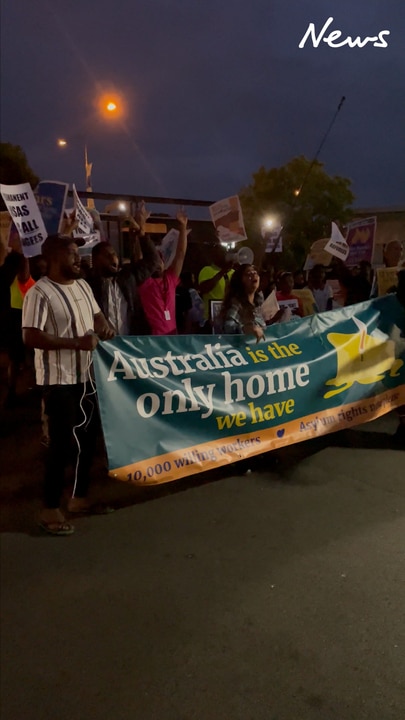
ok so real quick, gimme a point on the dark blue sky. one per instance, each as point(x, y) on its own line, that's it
point(213, 90)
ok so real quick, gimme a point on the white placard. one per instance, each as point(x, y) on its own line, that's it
point(84, 219)
point(228, 220)
point(89, 242)
point(291, 304)
point(23, 208)
point(274, 242)
point(270, 307)
point(337, 245)
point(168, 246)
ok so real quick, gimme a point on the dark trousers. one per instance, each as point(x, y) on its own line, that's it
point(73, 426)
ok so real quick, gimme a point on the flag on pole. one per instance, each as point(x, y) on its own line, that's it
point(88, 167)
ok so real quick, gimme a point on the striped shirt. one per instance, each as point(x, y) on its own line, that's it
point(64, 311)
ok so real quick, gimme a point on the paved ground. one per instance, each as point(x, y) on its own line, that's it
point(271, 596)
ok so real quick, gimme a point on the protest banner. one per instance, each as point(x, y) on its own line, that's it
point(22, 206)
point(337, 245)
point(360, 238)
point(228, 220)
point(51, 197)
point(387, 278)
point(172, 406)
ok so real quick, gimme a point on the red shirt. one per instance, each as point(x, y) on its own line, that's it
point(158, 297)
point(291, 301)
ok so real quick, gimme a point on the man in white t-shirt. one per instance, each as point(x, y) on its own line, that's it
point(63, 323)
point(322, 292)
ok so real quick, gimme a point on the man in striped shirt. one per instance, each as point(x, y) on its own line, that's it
point(63, 323)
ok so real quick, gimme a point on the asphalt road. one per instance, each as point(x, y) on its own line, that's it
point(270, 596)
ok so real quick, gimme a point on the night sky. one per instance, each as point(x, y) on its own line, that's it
point(212, 90)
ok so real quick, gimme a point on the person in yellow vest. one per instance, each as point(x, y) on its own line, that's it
point(213, 280)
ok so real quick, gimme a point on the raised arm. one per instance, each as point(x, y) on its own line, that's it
point(206, 286)
point(141, 217)
point(178, 260)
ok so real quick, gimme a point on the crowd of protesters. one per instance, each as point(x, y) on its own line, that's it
point(60, 309)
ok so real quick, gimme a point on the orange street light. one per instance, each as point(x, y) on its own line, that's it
point(62, 142)
point(111, 104)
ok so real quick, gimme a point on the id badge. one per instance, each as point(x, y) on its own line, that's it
point(167, 315)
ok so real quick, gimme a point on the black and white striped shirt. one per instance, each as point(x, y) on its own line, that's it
point(64, 311)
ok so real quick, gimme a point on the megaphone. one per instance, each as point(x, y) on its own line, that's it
point(244, 256)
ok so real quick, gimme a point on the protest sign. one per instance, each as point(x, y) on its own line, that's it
point(307, 300)
point(318, 255)
point(270, 307)
point(168, 246)
point(290, 304)
point(84, 220)
point(337, 245)
point(173, 405)
point(273, 239)
point(85, 225)
point(51, 197)
point(360, 238)
point(215, 316)
point(228, 220)
point(387, 278)
point(22, 206)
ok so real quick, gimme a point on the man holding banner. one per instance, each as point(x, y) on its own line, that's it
point(63, 323)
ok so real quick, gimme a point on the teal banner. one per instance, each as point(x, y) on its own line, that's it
point(176, 405)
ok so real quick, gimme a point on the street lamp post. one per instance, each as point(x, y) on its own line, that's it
point(62, 143)
point(110, 107)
